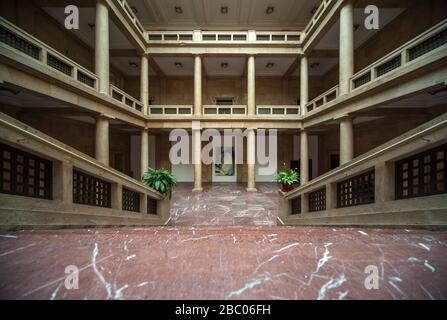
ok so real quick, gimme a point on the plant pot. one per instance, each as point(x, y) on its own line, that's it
point(287, 187)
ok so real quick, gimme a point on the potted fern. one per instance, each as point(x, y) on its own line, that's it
point(161, 180)
point(288, 179)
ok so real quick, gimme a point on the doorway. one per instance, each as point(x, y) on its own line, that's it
point(224, 167)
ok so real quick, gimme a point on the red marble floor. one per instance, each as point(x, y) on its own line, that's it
point(224, 263)
point(212, 261)
point(225, 204)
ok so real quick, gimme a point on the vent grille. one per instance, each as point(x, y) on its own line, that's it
point(59, 65)
point(317, 200)
point(428, 45)
point(356, 190)
point(131, 200)
point(18, 43)
point(90, 190)
point(24, 174)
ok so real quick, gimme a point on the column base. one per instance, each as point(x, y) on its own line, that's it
point(251, 189)
point(197, 189)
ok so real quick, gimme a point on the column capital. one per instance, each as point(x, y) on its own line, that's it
point(343, 116)
point(105, 116)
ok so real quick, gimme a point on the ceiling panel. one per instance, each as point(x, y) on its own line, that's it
point(280, 66)
point(86, 31)
point(207, 15)
point(330, 40)
point(213, 66)
point(126, 65)
point(167, 65)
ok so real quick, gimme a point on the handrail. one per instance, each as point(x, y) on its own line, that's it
point(125, 98)
point(43, 138)
point(71, 68)
point(278, 110)
point(222, 36)
point(323, 98)
point(317, 15)
point(397, 142)
point(219, 109)
point(131, 16)
point(388, 64)
point(396, 59)
point(170, 110)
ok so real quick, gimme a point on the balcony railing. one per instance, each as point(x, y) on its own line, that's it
point(262, 37)
point(45, 182)
point(224, 110)
point(401, 168)
point(322, 99)
point(170, 110)
point(322, 8)
point(131, 15)
point(27, 46)
point(125, 98)
point(433, 39)
point(18, 45)
point(277, 110)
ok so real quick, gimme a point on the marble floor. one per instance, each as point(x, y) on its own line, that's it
point(222, 245)
point(225, 204)
point(224, 263)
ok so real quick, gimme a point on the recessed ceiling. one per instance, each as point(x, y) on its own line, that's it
point(235, 66)
point(87, 33)
point(126, 65)
point(318, 66)
point(266, 66)
point(330, 41)
point(207, 15)
point(169, 67)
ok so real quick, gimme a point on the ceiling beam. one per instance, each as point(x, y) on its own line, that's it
point(382, 3)
point(292, 67)
point(323, 54)
point(156, 67)
point(64, 3)
point(124, 53)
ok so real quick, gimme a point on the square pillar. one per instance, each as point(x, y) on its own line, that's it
point(117, 196)
point(384, 182)
point(63, 182)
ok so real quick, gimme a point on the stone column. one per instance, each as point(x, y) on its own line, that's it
point(346, 140)
point(304, 84)
point(251, 86)
point(144, 83)
point(197, 85)
point(102, 139)
point(197, 159)
point(304, 157)
point(102, 46)
point(144, 162)
point(251, 160)
point(346, 60)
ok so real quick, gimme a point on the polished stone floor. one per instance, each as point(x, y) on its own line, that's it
point(225, 204)
point(223, 245)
